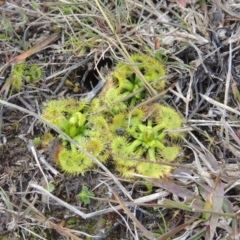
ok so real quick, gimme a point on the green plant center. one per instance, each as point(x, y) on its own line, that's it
point(148, 134)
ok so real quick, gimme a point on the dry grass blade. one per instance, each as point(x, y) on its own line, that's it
point(36, 48)
point(227, 9)
point(234, 229)
point(179, 228)
point(150, 89)
point(63, 231)
point(145, 232)
point(6, 85)
point(214, 202)
point(194, 207)
point(173, 188)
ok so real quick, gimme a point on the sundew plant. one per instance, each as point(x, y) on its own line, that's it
point(136, 139)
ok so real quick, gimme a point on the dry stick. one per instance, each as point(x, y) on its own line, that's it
point(140, 201)
point(32, 148)
point(218, 104)
point(49, 167)
point(199, 56)
point(69, 139)
point(228, 79)
point(61, 202)
point(84, 61)
point(1, 124)
point(70, 207)
point(200, 102)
